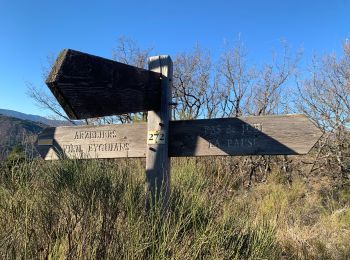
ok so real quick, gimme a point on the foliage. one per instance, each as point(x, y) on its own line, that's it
point(17, 154)
point(17, 134)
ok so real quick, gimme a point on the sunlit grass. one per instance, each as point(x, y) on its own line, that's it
point(96, 210)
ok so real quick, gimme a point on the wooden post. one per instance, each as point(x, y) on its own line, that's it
point(157, 158)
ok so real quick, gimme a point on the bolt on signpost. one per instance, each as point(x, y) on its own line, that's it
point(88, 86)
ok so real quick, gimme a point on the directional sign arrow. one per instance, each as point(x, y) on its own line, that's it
point(262, 135)
point(88, 86)
point(255, 135)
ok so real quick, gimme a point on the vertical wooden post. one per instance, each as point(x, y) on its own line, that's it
point(157, 159)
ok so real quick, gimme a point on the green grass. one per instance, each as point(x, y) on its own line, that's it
point(96, 210)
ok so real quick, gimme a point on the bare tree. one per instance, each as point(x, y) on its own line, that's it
point(128, 52)
point(255, 90)
point(43, 98)
point(236, 78)
point(46, 101)
point(271, 83)
point(325, 97)
point(212, 99)
point(193, 89)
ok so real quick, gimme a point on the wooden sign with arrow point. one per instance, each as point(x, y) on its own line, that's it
point(257, 135)
point(88, 86)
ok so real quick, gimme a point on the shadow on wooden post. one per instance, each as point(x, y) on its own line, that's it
point(157, 158)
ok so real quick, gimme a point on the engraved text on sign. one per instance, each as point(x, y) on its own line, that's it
point(238, 137)
point(84, 142)
point(263, 135)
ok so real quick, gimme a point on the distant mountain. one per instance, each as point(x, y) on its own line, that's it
point(34, 118)
point(15, 131)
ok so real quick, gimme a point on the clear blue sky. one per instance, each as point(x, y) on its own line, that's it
point(32, 30)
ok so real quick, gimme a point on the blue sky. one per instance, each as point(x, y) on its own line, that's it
point(32, 30)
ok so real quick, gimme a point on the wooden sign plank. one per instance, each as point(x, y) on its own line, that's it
point(85, 142)
point(88, 86)
point(260, 135)
point(256, 135)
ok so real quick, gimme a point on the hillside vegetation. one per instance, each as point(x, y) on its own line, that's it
point(95, 210)
point(15, 131)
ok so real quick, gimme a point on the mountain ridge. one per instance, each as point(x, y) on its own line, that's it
point(34, 118)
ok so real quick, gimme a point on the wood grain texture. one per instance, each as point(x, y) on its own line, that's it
point(157, 156)
point(85, 142)
point(88, 86)
point(269, 135)
point(256, 135)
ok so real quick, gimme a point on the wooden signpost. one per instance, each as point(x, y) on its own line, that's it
point(88, 86)
point(256, 135)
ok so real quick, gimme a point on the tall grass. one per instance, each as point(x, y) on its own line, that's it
point(96, 210)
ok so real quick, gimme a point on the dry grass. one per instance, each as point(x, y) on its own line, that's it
point(95, 210)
